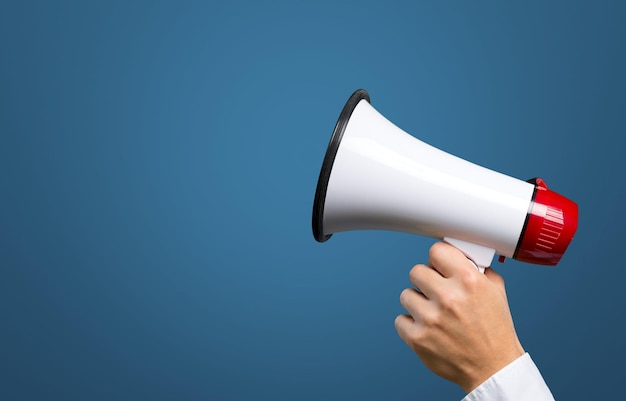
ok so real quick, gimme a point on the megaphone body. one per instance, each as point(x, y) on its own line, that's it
point(377, 177)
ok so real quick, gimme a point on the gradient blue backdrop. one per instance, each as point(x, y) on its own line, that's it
point(158, 162)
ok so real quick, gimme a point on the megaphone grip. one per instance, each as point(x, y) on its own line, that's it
point(479, 255)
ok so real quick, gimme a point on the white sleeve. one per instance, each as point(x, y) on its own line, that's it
point(520, 381)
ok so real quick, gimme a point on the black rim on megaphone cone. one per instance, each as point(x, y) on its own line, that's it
point(329, 159)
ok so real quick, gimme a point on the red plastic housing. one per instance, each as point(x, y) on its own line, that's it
point(550, 227)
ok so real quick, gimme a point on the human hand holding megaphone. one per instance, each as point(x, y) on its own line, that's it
point(459, 322)
point(376, 176)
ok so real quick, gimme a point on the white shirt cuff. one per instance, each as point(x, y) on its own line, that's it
point(518, 381)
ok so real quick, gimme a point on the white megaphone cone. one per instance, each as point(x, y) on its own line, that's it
point(377, 177)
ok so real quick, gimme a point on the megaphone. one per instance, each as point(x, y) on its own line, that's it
point(375, 176)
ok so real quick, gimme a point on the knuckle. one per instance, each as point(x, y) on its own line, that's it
point(449, 300)
point(437, 254)
point(415, 272)
point(398, 321)
point(469, 278)
point(417, 337)
point(430, 318)
point(405, 296)
point(437, 250)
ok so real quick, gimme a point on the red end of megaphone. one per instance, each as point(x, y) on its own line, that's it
point(550, 227)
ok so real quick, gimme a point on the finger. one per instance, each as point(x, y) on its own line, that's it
point(448, 260)
point(427, 279)
point(414, 302)
point(405, 325)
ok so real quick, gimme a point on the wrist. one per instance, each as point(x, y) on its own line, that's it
point(479, 376)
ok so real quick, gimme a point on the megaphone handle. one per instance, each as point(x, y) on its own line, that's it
point(479, 268)
point(479, 255)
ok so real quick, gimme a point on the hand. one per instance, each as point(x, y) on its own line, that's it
point(460, 324)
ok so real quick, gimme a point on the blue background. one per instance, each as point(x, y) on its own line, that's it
point(158, 162)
